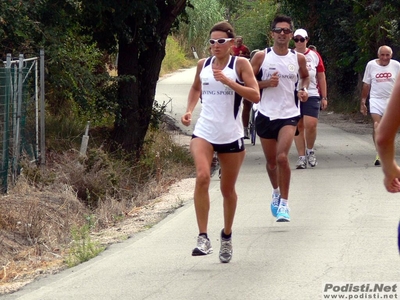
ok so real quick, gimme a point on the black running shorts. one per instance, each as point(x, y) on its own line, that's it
point(236, 146)
point(268, 129)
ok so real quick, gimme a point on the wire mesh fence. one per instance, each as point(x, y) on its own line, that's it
point(21, 115)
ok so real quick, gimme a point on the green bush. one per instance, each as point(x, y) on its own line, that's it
point(175, 57)
point(83, 247)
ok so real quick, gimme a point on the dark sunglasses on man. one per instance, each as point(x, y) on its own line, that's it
point(279, 30)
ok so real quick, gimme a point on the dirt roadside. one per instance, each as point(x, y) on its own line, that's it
point(357, 123)
point(144, 217)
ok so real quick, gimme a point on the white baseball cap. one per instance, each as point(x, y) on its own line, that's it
point(301, 32)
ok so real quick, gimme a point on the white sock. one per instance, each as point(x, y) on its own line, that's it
point(302, 157)
point(284, 202)
point(309, 150)
point(276, 191)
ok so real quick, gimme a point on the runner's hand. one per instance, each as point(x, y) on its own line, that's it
point(363, 109)
point(186, 118)
point(303, 95)
point(274, 80)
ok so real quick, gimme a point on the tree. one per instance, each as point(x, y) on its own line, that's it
point(139, 30)
point(16, 27)
point(74, 85)
point(253, 23)
point(194, 26)
point(231, 7)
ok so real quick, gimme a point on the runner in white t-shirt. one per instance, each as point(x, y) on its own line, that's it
point(379, 77)
point(317, 99)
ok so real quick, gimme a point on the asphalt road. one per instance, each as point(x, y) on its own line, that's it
point(343, 230)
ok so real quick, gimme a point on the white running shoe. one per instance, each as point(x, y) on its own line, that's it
point(203, 246)
point(312, 159)
point(301, 163)
point(225, 253)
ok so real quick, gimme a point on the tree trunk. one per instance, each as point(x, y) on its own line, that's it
point(141, 68)
point(126, 128)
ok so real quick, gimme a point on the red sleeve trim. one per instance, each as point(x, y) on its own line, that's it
point(320, 66)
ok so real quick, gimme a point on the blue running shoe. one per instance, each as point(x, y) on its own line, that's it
point(283, 214)
point(276, 199)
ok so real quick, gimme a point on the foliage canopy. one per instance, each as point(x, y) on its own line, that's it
point(83, 39)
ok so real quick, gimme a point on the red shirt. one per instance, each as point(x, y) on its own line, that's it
point(241, 51)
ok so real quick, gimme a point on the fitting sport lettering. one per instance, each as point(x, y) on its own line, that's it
point(226, 92)
point(283, 76)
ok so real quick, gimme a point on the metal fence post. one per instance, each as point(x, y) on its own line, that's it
point(42, 111)
point(6, 126)
point(17, 137)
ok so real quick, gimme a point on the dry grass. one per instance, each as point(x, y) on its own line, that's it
point(38, 214)
point(34, 226)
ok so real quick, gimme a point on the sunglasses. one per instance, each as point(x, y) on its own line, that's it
point(279, 30)
point(220, 41)
point(296, 40)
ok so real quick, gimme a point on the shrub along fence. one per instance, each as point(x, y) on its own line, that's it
point(22, 112)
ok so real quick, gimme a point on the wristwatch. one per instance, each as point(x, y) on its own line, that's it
point(324, 98)
point(304, 89)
